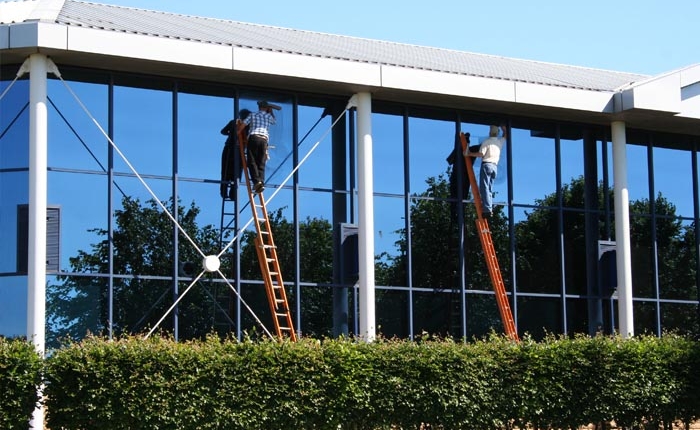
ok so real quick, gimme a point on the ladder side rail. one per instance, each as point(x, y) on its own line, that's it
point(261, 247)
point(497, 279)
point(267, 281)
point(283, 302)
point(469, 164)
point(221, 224)
point(259, 244)
point(279, 305)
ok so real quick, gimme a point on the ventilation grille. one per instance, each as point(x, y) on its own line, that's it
point(53, 238)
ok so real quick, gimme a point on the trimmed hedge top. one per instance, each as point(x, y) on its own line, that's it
point(341, 383)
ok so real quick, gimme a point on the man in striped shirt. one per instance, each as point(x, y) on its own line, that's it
point(258, 139)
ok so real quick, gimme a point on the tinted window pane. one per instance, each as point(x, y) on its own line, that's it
point(13, 192)
point(539, 316)
point(483, 315)
point(437, 312)
point(200, 120)
point(315, 238)
point(82, 199)
point(672, 184)
point(13, 306)
point(392, 313)
point(14, 125)
point(578, 314)
point(538, 259)
point(643, 261)
point(388, 153)
point(431, 142)
point(680, 317)
point(75, 141)
point(575, 253)
point(316, 315)
point(389, 228)
point(645, 318)
point(534, 173)
point(571, 160)
point(315, 150)
point(677, 253)
point(143, 131)
point(637, 174)
point(76, 306)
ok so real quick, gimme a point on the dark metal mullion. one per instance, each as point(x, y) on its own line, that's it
point(174, 210)
point(236, 225)
point(352, 143)
point(560, 227)
point(696, 215)
point(295, 205)
point(591, 233)
point(110, 207)
point(606, 187)
point(461, 192)
point(407, 219)
point(511, 224)
point(654, 244)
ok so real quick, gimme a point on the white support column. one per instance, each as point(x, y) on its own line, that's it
point(365, 226)
point(36, 261)
point(622, 230)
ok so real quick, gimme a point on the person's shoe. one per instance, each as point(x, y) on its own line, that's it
point(259, 187)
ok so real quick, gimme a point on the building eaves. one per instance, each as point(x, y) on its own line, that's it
point(307, 43)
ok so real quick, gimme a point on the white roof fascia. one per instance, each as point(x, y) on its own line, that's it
point(429, 81)
point(495, 89)
point(660, 93)
point(145, 47)
point(564, 98)
point(4, 37)
point(690, 75)
point(690, 92)
point(306, 67)
point(37, 35)
point(690, 106)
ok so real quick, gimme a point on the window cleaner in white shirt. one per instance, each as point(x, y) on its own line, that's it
point(490, 153)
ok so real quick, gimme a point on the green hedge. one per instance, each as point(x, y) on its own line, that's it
point(388, 384)
point(20, 376)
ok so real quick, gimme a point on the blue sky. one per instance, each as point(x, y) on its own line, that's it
point(642, 36)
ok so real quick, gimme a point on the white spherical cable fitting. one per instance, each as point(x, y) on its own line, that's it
point(211, 263)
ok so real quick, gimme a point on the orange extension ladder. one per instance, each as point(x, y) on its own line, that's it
point(267, 256)
point(484, 232)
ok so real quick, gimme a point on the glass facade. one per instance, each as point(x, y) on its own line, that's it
point(126, 268)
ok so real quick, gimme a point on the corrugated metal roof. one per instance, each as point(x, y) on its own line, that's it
point(241, 34)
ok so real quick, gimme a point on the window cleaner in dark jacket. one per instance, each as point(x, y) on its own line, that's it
point(231, 163)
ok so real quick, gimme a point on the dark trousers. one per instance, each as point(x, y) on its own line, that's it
point(257, 157)
point(231, 170)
